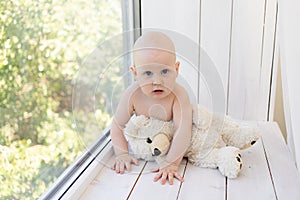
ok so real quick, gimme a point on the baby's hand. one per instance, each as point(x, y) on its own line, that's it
point(167, 173)
point(123, 162)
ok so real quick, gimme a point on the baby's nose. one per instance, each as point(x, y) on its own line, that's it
point(156, 79)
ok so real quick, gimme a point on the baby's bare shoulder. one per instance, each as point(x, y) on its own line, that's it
point(129, 93)
point(180, 92)
point(132, 90)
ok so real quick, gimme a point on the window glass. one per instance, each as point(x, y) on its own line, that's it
point(43, 46)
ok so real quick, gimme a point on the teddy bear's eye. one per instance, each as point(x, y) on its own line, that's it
point(149, 141)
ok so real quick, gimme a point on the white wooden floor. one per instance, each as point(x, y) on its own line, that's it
point(268, 173)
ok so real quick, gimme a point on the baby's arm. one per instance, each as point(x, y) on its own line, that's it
point(121, 117)
point(182, 118)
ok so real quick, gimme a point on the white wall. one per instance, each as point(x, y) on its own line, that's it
point(238, 36)
point(289, 44)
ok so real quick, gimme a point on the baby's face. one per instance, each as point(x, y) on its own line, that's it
point(155, 72)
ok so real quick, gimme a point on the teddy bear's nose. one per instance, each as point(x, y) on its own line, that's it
point(157, 152)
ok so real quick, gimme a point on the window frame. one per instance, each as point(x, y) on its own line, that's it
point(72, 174)
point(78, 171)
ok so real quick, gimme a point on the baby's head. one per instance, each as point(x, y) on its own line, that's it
point(151, 45)
point(155, 67)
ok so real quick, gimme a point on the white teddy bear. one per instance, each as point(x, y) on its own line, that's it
point(215, 143)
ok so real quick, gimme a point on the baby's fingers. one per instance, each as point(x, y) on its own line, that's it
point(116, 167)
point(135, 161)
point(121, 167)
point(158, 176)
point(128, 166)
point(179, 177)
point(113, 166)
point(171, 178)
point(165, 177)
point(155, 170)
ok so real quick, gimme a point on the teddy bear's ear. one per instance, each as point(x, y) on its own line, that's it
point(149, 141)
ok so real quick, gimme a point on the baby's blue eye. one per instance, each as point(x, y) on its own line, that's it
point(164, 71)
point(148, 73)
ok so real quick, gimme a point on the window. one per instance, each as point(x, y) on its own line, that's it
point(49, 116)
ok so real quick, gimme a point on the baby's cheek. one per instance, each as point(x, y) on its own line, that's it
point(143, 82)
point(147, 86)
point(169, 85)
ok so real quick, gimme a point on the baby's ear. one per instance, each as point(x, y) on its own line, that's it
point(177, 65)
point(132, 69)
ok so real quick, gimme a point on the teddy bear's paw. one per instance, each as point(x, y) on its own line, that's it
point(230, 162)
point(242, 138)
point(251, 142)
point(250, 136)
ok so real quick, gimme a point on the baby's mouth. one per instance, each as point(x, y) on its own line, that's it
point(157, 91)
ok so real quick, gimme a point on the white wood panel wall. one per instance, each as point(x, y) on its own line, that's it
point(238, 36)
point(215, 29)
point(289, 41)
point(245, 61)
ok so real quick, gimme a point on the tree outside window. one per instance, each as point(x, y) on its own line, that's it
point(42, 45)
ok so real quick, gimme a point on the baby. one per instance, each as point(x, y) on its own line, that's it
point(156, 94)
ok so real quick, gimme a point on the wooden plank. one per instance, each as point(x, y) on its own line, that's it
point(81, 184)
point(146, 188)
point(268, 173)
point(275, 79)
point(109, 185)
point(285, 176)
point(245, 60)
point(289, 57)
point(202, 183)
point(214, 41)
point(267, 58)
point(254, 181)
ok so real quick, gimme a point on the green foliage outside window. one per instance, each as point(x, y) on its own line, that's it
point(42, 43)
